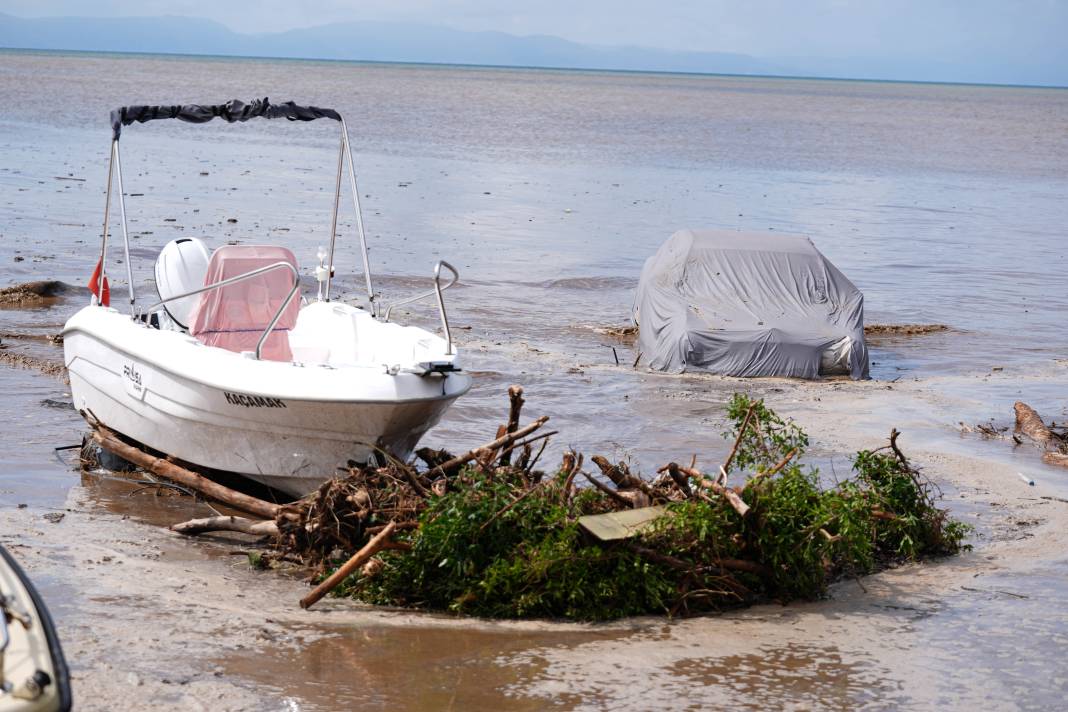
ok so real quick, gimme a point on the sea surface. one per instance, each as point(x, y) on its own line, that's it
point(944, 204)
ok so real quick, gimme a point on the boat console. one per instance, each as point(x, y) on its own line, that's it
point(181, 267)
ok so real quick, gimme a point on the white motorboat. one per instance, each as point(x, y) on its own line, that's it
point(33, 672)
point(231, 369)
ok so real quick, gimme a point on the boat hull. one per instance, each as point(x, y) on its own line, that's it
point(284, 425)
point(32, 665)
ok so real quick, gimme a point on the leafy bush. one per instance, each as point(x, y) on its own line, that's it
point(530, 561)
point(495, 544)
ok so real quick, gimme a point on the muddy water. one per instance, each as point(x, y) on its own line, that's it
point(547, 190)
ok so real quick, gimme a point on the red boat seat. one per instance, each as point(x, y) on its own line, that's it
point(233, 317)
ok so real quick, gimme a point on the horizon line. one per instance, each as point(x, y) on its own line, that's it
point(521, 67)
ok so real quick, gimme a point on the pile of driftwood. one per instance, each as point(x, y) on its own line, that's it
point(338, 516)
point(368, 510)
point(361, 509)
point(1052, 439)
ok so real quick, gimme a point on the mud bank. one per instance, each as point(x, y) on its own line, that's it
point(41, 293)
point(16, 359)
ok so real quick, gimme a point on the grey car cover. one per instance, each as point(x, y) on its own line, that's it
point(749, 304)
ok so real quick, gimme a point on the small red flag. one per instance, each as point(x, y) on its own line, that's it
point(94, 286)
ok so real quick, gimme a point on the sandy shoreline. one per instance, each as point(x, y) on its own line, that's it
point(181, 624)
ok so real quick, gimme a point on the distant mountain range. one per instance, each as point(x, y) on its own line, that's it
point(366, 41)
point(434, 44)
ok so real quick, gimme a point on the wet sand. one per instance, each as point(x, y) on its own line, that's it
point(181, 624)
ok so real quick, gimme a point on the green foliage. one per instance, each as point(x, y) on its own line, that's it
point(529, 561)
point(913, 525)
point(763, 446)
point(563, 576)
point(783, 527)
point(490, 547)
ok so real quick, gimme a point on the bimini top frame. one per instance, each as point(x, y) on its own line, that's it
point(231, 112)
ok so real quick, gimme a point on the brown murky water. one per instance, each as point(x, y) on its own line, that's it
point(944, 204)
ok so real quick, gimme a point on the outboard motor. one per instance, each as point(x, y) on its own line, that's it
point(181, 267)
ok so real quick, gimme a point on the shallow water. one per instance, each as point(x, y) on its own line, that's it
point(944, 204)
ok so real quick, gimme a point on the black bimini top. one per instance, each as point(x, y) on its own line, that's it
point(232, 111)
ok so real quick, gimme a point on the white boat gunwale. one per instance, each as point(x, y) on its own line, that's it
point(220, 385)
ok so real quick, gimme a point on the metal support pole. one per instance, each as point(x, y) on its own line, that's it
point(359, 221)
point(337, 204)
point(125, 231)
point(107, 214)
point(441, 301)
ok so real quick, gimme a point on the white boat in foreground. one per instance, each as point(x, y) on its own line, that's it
point(33, 672)
point(231, 369)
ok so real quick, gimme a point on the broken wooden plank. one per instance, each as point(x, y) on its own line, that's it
point(614, 526)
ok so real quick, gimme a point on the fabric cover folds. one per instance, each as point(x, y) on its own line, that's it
point(234, 317)
point(749, 304)
point(232, 111)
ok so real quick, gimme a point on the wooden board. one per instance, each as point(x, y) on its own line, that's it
point(621, 525)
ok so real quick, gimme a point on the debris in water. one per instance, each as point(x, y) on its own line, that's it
point(890, 330)
point(1052, 440)
point(487, 533)
point(1029, 423)
point(990, 430)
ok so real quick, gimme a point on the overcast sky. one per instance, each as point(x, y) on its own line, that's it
point(1023, 32)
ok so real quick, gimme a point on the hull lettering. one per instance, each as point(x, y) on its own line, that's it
point(253, 401)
